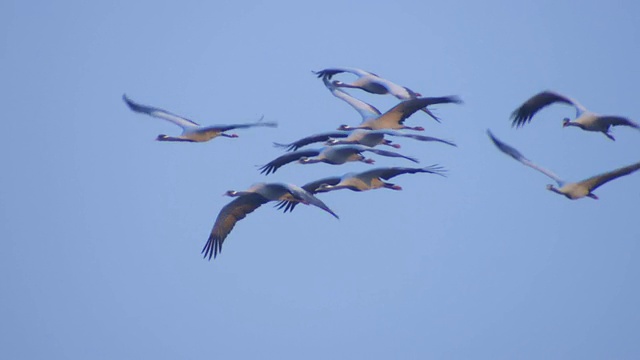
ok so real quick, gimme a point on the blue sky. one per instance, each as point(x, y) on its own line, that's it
point(103, 226)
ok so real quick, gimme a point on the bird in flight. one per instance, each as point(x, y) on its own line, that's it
point(191, 131)
point(362, 181)
point(585, 119)
point(249, 200)
point(572, 190)
point(371, 83)
point(334, 155)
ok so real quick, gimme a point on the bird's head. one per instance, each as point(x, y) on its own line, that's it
point(304, 160)
point(344, 127)
point(337, 83)
point(368, 161)
point(397, 146)
point(550, 187)
point(233, 135)
point(231, 193)
point(566, 122)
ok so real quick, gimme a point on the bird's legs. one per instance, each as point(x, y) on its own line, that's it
point(392, 186)
point(390, 143)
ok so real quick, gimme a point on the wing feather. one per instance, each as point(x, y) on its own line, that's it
point(522, 159)
point(594, 182)
point(159, 113)
point(230, 214)
point(322, 137)
point(275, 164)
point(529, 108)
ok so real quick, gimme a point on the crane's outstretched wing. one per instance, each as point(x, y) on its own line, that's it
point(230, 214)
point(619, 120)
point(312, 139)
point(412, 136)
point(275, 164)
point(159, 113)
point(389, 154)
point(365, 110)
point(312, 188)
point(406, 108)
point(242, 126)
point(307, 198)
point(594, 182)
point(529, 108)
point(391, 172)
point(329, 72)
point(519, 157)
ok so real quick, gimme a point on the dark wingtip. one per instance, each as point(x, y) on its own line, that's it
point(267, 169)
point(456, 99)
point(211, 248)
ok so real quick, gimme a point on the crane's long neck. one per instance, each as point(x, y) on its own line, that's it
point(568, 122)
point(555, 190)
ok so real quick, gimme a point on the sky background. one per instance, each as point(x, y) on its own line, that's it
point(103, 226)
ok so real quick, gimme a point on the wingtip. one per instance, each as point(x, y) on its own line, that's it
point(210, 249)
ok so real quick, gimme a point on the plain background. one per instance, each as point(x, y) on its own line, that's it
point(103, 226)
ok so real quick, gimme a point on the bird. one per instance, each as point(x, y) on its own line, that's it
point(585, 119)
point(571, 190)
point(394, 118)
point(249, 200)
point(191, 131)
point(373, 84)
point(364, 137)
point(334, 155)
point(362, 181)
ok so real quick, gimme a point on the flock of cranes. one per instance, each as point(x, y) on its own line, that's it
point(349, 143)
point(585, 120)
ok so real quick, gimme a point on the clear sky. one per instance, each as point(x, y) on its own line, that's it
point(103, 226)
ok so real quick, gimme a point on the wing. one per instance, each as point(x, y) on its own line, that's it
point(391, 172)
point(227, 219)
point(242, 126)
point(308, 198)
point(365, 110)
point(311, 188)
point(526, 111)
point(619, 120)
point(322, 137)
point(594, 182)
point(406, 108)
point(390, 154)
point(273, 166)
point(518, 156)
point(159, 113)
point(332, 71)
point(400, 92)
point(414, 136)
